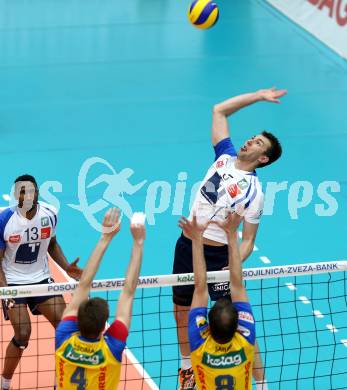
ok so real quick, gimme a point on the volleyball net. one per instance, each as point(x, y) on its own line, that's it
point(301, 326)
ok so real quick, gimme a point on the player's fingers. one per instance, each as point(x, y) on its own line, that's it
point(113, 217)
point(116, 214)
point(75, 261)
point(181, 224)
point(107, 216)
point(110, 215)
point(218, 223)
point(229, 215)
point(184, 220)
point(280, 93)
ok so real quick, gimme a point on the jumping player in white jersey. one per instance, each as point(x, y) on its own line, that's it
point(231, 184)
point(27, 233)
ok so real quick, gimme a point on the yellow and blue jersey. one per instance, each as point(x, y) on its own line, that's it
point(83, 364)
point(222, 366)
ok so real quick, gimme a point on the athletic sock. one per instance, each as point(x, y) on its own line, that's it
point(5, 383)
point(261, 385)
point(185, 362)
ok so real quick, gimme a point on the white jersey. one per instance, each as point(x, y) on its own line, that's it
point(26, 243)
point(226, 188)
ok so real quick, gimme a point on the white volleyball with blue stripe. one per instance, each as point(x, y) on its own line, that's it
point(203, 13)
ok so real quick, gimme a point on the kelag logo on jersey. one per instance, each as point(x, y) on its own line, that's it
point(230, 360)
point(77, 356)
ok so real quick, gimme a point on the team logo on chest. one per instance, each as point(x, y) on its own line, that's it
point(45, 233)
point(44, 221)
point(14, 239)
point(242, 184)
point(233, 190)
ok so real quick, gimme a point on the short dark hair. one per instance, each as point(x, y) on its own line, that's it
point(275, 150)
point(223, 320)
point(26, 177)
point(92, 316)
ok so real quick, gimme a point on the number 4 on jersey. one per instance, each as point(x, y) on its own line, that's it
point(78, 378)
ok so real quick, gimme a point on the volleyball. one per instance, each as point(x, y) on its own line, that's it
point(203, 13)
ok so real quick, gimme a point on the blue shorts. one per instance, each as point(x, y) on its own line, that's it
point(32, 302)
point(216, 259)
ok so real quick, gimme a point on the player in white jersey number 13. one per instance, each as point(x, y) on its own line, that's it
point(27, 233)
point(230, 185)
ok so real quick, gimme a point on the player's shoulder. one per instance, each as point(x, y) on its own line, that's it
point(225, 160)
point(198, 321)
point(48, 208)
point(257, 185)
point(260, 192)
point(198, 328)
point(6, 214)
point(246, 321)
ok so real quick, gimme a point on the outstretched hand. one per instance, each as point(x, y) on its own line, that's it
point(192, 229)
point(111, 223)
point(137, 228)
point(230, 224)
point(271, 95)
point(73, 270)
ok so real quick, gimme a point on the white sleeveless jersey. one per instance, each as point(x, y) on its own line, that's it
point(226, 188)
point(26, 243)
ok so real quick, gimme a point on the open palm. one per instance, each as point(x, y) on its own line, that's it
point(272, 95)
point(111, 223)
point(192, 229)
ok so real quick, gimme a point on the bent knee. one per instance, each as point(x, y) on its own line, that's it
point(23, 333)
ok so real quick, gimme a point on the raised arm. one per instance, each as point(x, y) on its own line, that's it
point(249, 233)
point(221, 111)
point(111, 227)
point(125, 303)
point(238, 291)
point(195, 231)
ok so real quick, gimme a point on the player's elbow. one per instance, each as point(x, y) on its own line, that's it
point(84, 284)
point(218, 124)
point(216, 109)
